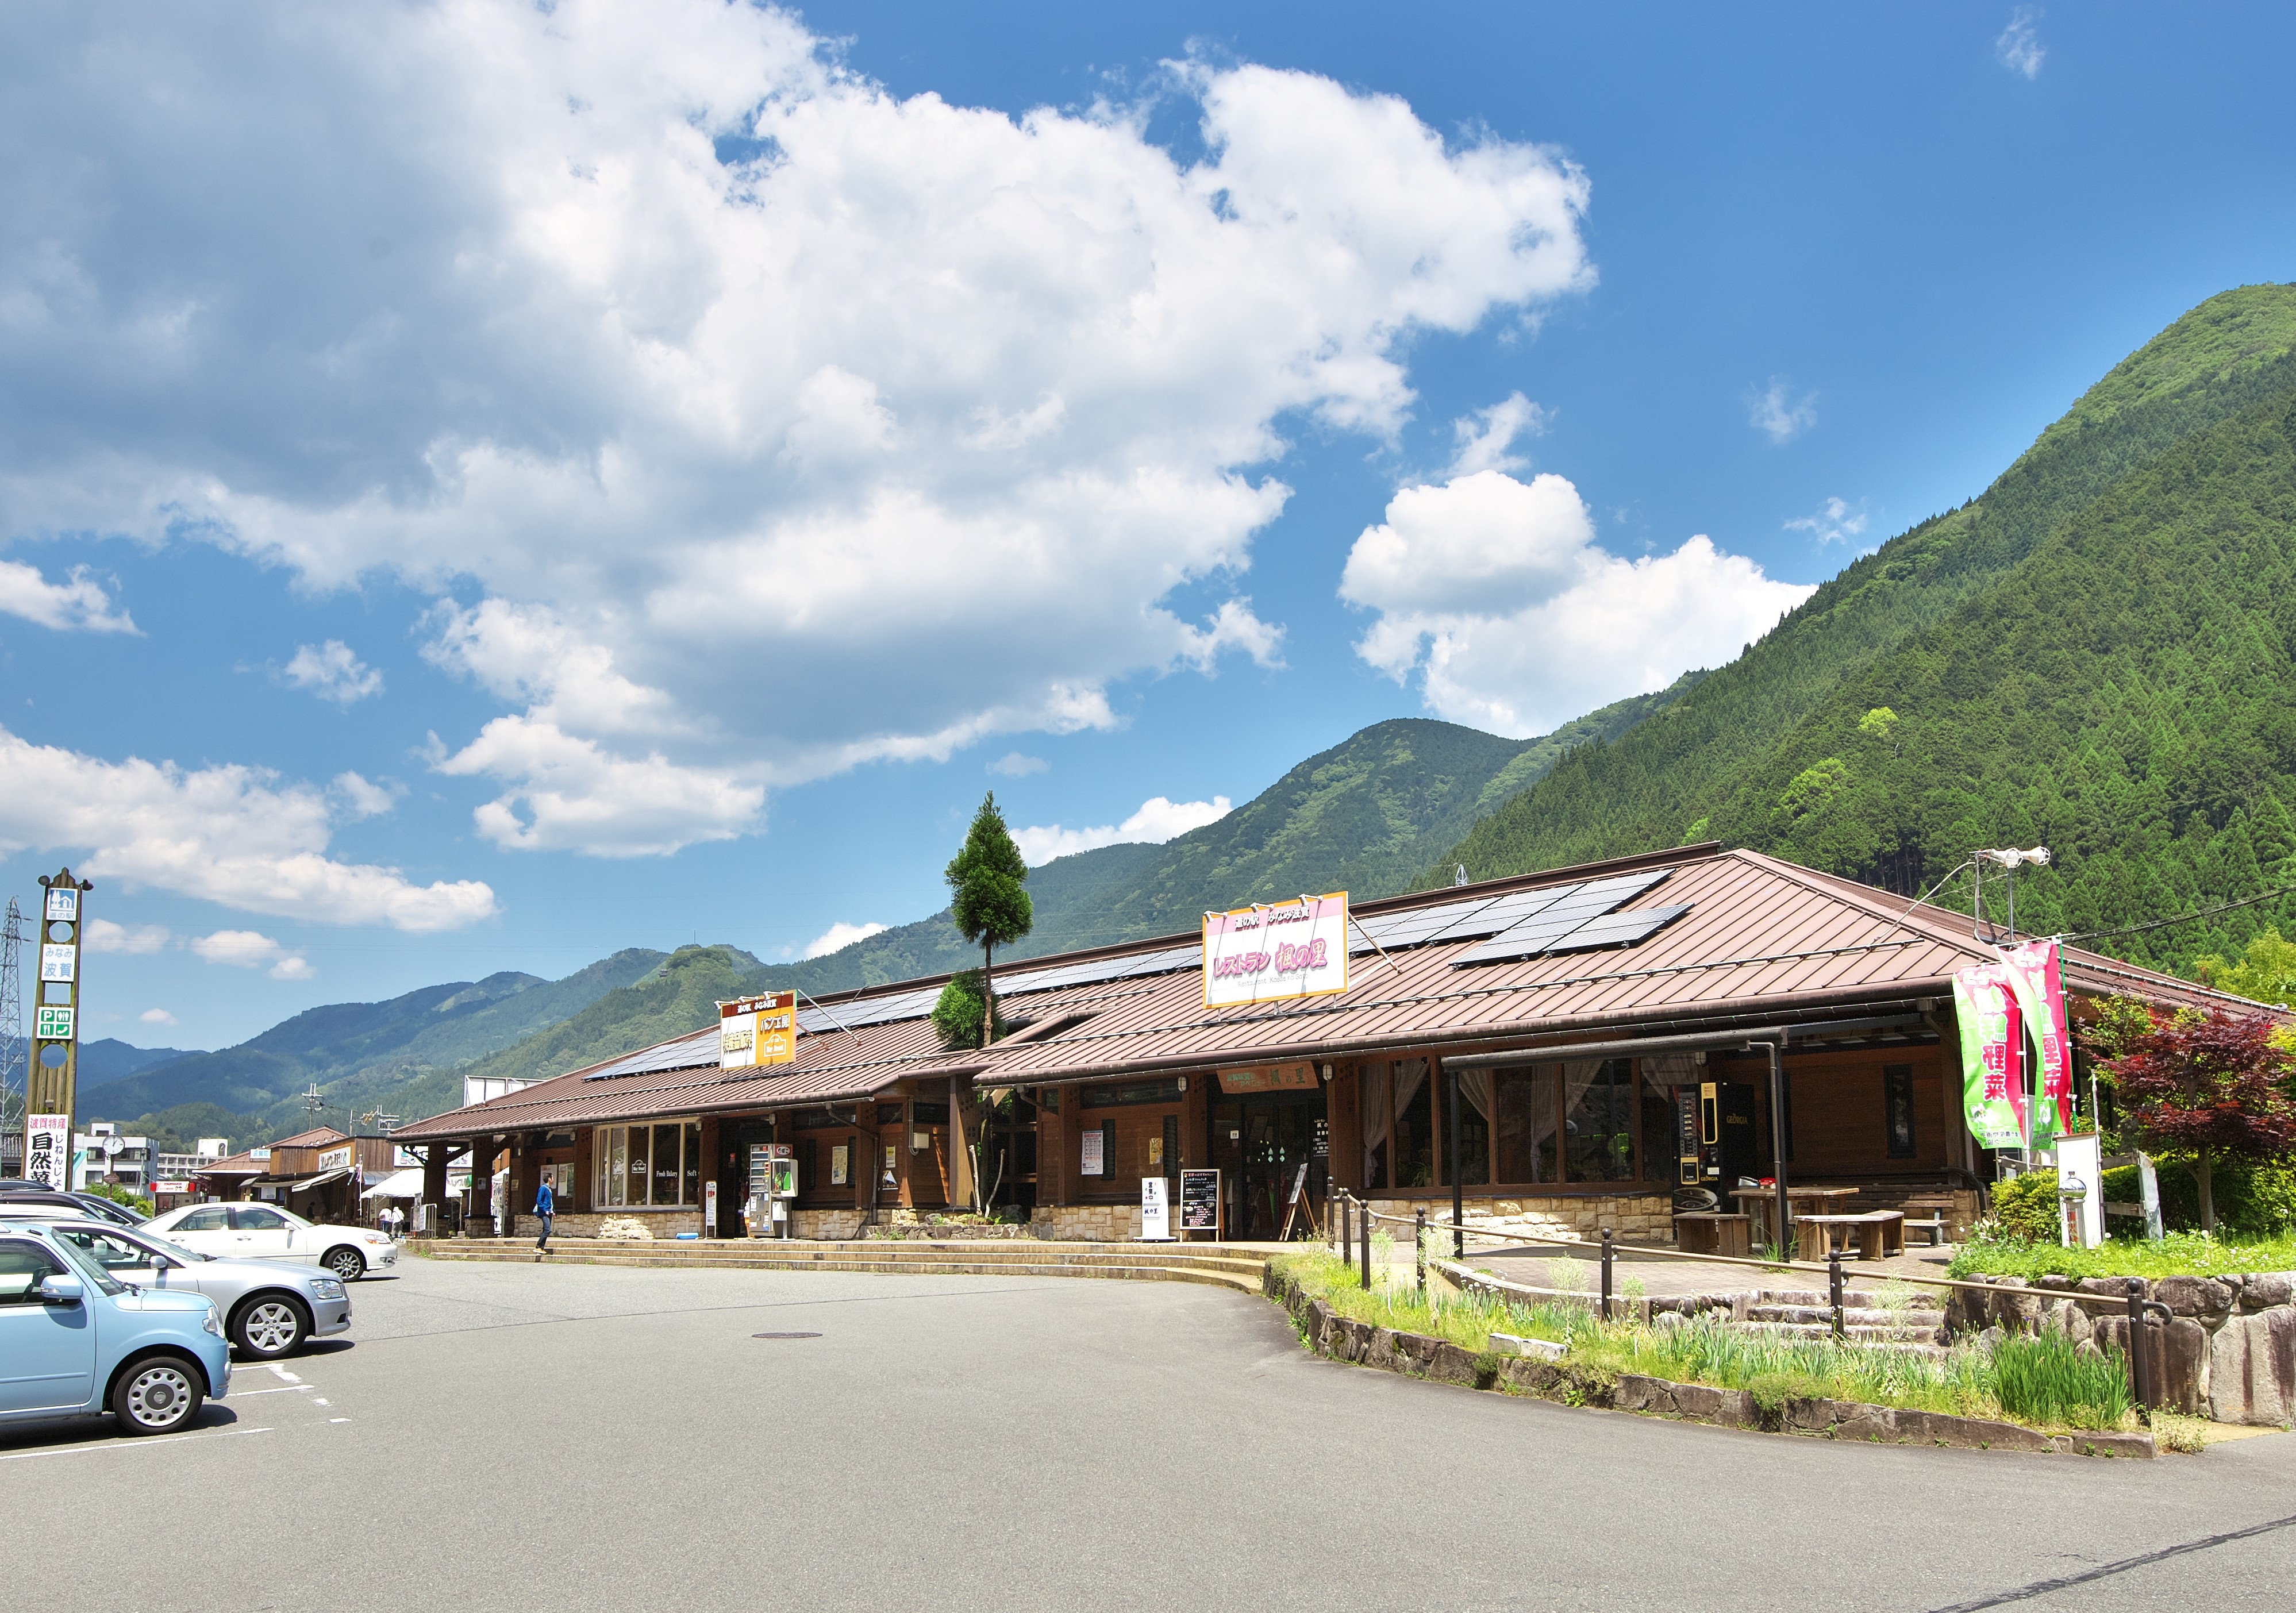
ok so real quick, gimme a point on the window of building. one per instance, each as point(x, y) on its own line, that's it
point(656, 1166)
point(1415, 1124)
point(1598, 1127)
point(1525, 1101)
point(1898, 1109)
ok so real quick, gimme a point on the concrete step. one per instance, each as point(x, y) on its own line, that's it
point(1921, 1299)
point(1854, 1332)
point(1001, 1259)
point(1862, 1315)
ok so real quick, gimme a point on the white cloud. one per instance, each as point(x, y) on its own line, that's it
point(252, 949)
point(156, 1016)
point(226, 833)
point(363, 799)
point(1157, 821)
point(2020, 46)
point(333, 673)
point(1012, 764)
point(78, 601)
point(917, 384)
point(104, 936)
point(838, 936)
point(1775, 412)
point(1495, 592)
point(1485, 436)
point(1834, 523)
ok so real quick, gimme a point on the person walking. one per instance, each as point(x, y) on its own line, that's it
point(546, 1205)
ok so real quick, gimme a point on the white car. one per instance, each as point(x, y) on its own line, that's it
point(265, 1232)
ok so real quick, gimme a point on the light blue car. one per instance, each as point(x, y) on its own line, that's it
point(75, 1342)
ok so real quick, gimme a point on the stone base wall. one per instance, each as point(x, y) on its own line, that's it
point(1086, 1223)
point(2227, 1351)
point(1632, 1217)
point(830, 1225)
point(585, 1223)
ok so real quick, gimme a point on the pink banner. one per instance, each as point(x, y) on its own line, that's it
point(2034, 973)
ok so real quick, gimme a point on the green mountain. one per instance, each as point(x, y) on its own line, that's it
point(1363, 817)
point(2094, 654)
point(364, 1056)
point(679, 994)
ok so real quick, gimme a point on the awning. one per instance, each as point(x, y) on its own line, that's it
point(407, 1184)
point(321, 1180)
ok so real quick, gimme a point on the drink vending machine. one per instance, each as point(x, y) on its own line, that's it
point(773, 1190)
point(1716, 1131)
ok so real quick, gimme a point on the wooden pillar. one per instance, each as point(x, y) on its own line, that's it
point(435, 1156)
point(707, 1144)
point(480, 1223)
point(964, 1125)
point(585, 1174)
point(1053, 1183)
point(1343, 1113)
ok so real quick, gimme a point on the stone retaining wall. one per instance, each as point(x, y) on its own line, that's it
point(1088, 1222)
point(662, 1224)
point(2227, 1353)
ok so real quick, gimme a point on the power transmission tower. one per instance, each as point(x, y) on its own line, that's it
point(15, 1065)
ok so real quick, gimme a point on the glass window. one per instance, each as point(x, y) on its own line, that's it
point(109, 1251)
point(1598, 1127)
point(1526, 1126)
point(1658, 1160)
point(258, 1218)
point(1473, 1151)
point(639, 1162)
point(208, 1219)
point(665, 1163)
point(23, 1267)
point(617, 1159)
point(1414, 1129)
point(692, 1166)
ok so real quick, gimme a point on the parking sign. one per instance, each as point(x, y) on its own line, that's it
point(52, 1023)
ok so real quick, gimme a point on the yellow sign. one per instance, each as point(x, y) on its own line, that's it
point(758, 1030)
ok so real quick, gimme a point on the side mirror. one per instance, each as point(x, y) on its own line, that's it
point(62, 1288)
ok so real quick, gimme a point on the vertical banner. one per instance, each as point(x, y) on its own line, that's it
point(1993, 1080)
point(1275, 951)
point(1155, 1211)
point(2034, 974)
point(47, 1150)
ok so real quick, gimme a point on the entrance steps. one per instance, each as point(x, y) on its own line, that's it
point(1225, 1266)
point(1806, 1313)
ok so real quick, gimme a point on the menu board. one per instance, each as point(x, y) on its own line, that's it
point(1199, 1201)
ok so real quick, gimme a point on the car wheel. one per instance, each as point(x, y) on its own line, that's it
point(345, 1263)
point(270, 1327)
point(157, 1395)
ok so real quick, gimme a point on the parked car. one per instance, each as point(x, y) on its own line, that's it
point(74, 1341)
point(270, 1308)
point(265, 1232)
point(46, 1204)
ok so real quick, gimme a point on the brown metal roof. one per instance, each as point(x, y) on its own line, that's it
point(318, 1136)
point(1763, 940)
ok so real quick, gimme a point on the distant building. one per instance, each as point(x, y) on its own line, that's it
point(101, 1154)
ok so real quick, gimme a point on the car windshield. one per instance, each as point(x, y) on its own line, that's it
point(174, 1251)
point(89, 1266)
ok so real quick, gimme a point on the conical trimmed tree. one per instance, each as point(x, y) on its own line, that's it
point(990, 908)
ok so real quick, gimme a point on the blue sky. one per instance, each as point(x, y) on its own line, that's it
point(483, 488)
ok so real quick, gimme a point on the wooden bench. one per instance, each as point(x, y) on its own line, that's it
point(1713, 1232)
point(1877, 1233)
point(1940, 1206)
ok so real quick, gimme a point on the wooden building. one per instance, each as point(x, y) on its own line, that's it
point(1569, 1020)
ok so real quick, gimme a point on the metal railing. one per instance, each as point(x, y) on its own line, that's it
point(1351, 1227)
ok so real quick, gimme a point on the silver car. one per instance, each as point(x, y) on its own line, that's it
point(269, 1308)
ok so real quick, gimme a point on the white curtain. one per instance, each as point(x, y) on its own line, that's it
point(1671, 1069)
point(1372, 1087)
point(1410, 1075)
point(1475, 1087)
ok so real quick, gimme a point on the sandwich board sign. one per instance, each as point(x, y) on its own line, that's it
point(1155, 1211)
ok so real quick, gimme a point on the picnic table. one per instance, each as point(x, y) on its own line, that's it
point(1759, 1201)
point(1877, 1233)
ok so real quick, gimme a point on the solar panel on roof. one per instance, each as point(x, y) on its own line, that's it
point(685, 1052)
point(1541, 939)
point(1396, 930)
point(1502, 913)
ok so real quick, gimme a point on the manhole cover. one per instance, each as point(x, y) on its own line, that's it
point(786, 1335)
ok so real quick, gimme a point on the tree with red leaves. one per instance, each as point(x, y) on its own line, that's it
point(2210, 1082)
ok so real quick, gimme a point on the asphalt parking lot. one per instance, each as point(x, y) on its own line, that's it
point(507, 1436)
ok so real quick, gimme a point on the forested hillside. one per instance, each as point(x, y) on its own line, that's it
point(2094, 655)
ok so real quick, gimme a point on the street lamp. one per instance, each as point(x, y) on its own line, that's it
point(2011, 859)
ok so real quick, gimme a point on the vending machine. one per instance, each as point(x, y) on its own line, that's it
point(1716, 1136)
point(773, 1190)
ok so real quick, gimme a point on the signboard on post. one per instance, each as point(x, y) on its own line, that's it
point(47, 1150)
point(52, 1088)
point(52, 1023)
point(1200, 1202)
point(1155, 1211)
point(759, 1030)
point(1276, 952)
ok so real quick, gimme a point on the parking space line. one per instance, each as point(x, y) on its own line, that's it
point(284, 1389)
point(179, 1441)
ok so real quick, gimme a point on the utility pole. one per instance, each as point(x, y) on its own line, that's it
point(14, 1058)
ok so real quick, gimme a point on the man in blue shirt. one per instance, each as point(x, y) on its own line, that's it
point(546, 1205)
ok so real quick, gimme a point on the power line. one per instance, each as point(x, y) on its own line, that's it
point(2185, 918)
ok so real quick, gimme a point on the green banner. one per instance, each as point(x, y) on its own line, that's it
point(1993, 1085)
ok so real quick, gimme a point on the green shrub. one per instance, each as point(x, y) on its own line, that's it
point(2026, 1206)
point(2046, 1379)
point(2256, 1200)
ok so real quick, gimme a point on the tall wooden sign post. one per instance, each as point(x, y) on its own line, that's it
point(54, 1087)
